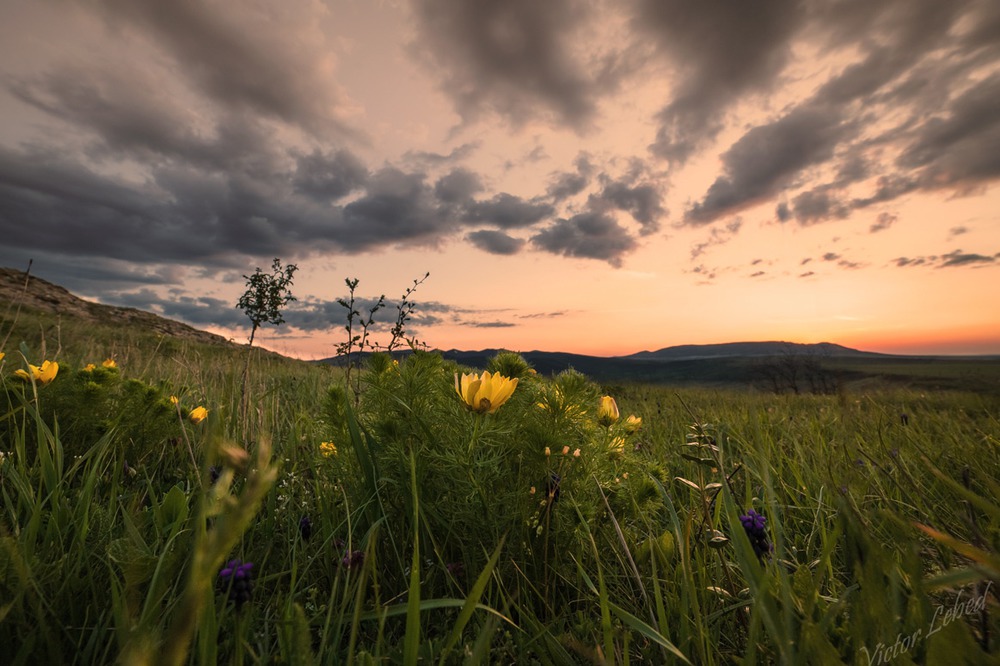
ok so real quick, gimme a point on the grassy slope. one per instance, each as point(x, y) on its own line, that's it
point(841, 478)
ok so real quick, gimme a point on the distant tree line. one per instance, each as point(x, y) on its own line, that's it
point(796, 372)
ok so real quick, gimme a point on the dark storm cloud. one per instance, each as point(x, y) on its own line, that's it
point(329, 176)
point(641, 201)
point(945, 132)
point(458, 185)
point(514, 58)
point(495, 242)
point(244, 64)
point(589, 235)
point(722, 50)
point(767, 157)
point(506, 211)
point(193, 216)
point(963, 146)
point(818, 205)
point(397, 208)
point(566, 184)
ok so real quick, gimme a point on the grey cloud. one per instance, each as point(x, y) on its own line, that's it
point(398, 207)
point(905, 73)
point(963, 146)
point(818, 205)
point(717, 236)
point(241, 60)
point(642, 202)
point(916, 261)
point(953, 259)
point(329, 176)
point(959, 258)
point(514, 58)
point(565, 185)
point(543, 315)
point(957, 231)
point(506, 211)
point(831, 256)
point(723, 50)
point(757, 274)
point(457, 185)
point(488, 324)
point(495, 242)
point(883, 222)
point(197, 311)
point(589, 235)
point(422, 159)
point(807, 274)
point(766, 157)
point(783, 212)
point(569, 183)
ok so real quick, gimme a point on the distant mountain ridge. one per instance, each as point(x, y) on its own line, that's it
point(749, 349)
point(715, 363)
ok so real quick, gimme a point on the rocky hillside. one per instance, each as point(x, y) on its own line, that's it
point(42, 296)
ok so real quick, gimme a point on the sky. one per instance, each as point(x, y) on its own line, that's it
point(591, 176)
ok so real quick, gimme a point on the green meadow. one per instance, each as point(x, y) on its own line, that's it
point(382, 516)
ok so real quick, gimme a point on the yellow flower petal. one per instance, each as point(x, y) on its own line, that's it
point(47, 372)
point(607, 412)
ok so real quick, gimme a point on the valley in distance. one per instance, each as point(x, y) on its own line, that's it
point(774, 366)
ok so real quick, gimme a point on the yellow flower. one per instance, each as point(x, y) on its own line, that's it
point(43, 375)
point(47, 372)
point(109, 363)
point(607, 412)
point(632, 424)
point(2, 355)
point(576, 453)
point(485, 393)
point(617, 445)
point(328, 449)
point(198, 414)
point(174, 400)
point(89, 367)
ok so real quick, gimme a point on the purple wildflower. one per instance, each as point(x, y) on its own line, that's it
point(236, 579)
point(352, 559)
point(754, 525)
point(305, 528)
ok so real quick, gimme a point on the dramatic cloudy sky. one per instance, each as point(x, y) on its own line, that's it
point(596, 176)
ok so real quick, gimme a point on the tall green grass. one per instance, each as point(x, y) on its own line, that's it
point(442, 535)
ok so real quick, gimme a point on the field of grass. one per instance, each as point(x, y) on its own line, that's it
point(388, 522)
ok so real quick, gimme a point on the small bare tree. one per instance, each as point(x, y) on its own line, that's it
point(266, 295)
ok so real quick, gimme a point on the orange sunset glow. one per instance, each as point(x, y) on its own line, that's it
point(599, 178)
